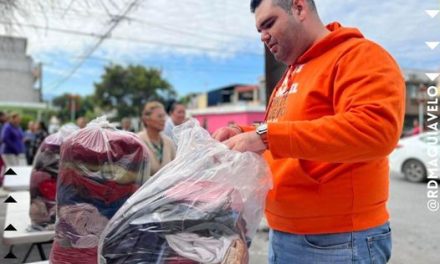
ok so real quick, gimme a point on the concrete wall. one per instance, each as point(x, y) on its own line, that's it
point(16, 78)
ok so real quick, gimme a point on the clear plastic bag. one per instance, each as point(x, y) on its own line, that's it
point(44, 179)
point(100, 168)
point(203, 207)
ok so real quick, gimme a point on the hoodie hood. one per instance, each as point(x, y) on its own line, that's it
point(337, 35)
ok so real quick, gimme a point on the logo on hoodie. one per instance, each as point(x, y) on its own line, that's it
point(293, 88)
point(278, 104)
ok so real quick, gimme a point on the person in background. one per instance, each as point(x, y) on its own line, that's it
point(331, 122)
point(29, 136)
point(126, 124)
point(12, 148)
point(3, 120)
point(161, 149)
point(3, 193)
point(54, 125)
point(416, 128)
point(81, 122)
point(177, 114)
point(40, 134)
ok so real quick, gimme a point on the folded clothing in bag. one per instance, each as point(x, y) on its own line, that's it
point(203, 207)
point(44, 178)
point(101, 167)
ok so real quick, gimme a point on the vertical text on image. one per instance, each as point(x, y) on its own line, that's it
point(432, 110)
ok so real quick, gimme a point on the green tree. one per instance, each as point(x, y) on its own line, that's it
point(63, 102)
point(84, 106)
point(127, 89)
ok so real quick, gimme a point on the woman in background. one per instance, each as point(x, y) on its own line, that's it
point(40, 134)
point(12, 137)
point(177, 112)
point(161, 149)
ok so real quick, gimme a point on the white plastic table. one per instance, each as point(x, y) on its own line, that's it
point(18, 182)
point(17, 215)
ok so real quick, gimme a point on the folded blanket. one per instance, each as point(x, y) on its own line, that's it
point(117, 172)
point(100, 168)
point(71, 195)
point(48, 189)
point(200, 248)
point(200, 230)
point(82, 225)
point(37, 177)
point(106, 190)
point(39, 213)
point(68, 255)
point(237, 253)
point(44, 179)
point(101, 146)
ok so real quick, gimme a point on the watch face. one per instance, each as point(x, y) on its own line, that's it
point(262, 129)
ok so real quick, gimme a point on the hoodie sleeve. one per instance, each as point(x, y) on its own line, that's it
point(369, 96)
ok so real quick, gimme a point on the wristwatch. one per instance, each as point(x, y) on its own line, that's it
point(262, 132)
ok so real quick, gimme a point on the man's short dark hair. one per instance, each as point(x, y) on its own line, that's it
point(171, 106)
point(285, 4)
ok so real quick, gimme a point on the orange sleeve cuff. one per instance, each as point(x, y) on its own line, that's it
point(280, 140)
point(247, 128)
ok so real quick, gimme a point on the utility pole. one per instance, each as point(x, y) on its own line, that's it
point(421, 100)
point(40, 80)
point(72, 99)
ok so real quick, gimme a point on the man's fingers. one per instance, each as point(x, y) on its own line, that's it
point(234, 145)
point(219, 135)
point(227, 143)
point(222, 134)
point(231, 144)
point(215, 135)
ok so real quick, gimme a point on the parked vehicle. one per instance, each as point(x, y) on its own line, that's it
point(411, 155)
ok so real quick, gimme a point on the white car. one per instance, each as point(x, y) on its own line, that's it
point(411, 156)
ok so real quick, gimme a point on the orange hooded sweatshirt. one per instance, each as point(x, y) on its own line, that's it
point(332, 120)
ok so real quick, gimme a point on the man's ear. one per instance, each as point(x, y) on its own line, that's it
point(298, 8)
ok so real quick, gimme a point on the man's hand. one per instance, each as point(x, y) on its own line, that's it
point(225, 133)
point(249, 141)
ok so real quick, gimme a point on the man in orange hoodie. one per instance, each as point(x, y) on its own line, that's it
point(330, 123)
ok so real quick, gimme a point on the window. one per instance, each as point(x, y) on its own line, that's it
point(246, 96)
point(412, 90)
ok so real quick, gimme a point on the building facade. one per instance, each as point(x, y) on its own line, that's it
point(18, 74)
point(233, 104)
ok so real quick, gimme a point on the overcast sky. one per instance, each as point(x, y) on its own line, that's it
point(199, 44)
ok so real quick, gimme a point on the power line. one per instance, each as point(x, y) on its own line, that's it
point(144, 41)
point(157, 25)
point(68, 8)
point(59, 30)
point(116, 19)
point(113, 24)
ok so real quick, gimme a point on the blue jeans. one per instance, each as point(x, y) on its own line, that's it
point(367, 246)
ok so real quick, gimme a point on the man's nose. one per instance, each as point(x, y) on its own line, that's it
point(265, 37)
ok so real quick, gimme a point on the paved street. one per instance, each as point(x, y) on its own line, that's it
point(416, 231)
